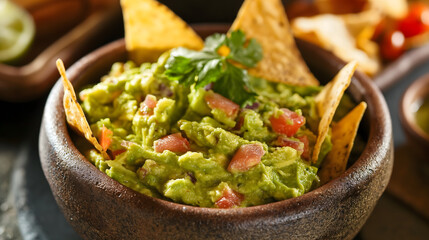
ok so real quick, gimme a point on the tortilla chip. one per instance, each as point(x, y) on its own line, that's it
point(364, 42)
point(152, 28)
point(327, 102)
point(74, 113)
point(392, 8)
point(266, 21)
point(362, 27)
point(356, 23)
point(343, 135)
point(331, 32)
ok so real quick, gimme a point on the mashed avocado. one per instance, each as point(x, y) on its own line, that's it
point(194, 146)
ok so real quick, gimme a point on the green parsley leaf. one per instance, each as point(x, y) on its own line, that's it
point(235, 84)
point(190, 67)
point(211, 72)
point(248, 55)
point(214, 42)
point(184, 65)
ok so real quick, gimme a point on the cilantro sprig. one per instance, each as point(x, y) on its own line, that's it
point(211, 65)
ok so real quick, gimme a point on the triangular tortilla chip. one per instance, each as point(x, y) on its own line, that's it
point(392, 8)
point(331, 32)
point(327, 102)
point(357, 22)
point(343, 135)
point(74, 113)
point(152, 28)
point(266, 21)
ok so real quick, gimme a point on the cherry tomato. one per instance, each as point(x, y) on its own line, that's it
point(288, 123)
point(416, 21)
point(174, 142)
point(247, 156)
point(393, 45)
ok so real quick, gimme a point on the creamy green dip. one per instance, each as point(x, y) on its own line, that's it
point(200, 175)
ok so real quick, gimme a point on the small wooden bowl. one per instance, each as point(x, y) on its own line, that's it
point(98, 207)
point(66, 29)
point(417, 91)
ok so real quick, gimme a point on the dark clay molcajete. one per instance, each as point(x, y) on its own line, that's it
point(98, 207)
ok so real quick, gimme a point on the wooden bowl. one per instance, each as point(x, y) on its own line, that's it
point(417, 138)
point(98, 207)
point(395, 71)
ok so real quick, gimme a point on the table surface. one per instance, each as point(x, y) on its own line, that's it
point(28, 209)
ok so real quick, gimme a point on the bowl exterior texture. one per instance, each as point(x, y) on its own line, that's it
point(418, 139)
point(100, 208)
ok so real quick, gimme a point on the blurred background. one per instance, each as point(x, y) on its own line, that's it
point(392, 35)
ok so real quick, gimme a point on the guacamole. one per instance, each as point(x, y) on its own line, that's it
point(196, 147)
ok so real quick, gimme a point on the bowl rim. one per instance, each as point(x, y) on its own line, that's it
point(379, 141)
point(418, 90)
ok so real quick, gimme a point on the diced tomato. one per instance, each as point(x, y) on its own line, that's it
point(174, 142)
point(393, 45)
point(301, 145)
point(306, 152)
point(147, 106)
point(105, 138)
point(246, 157)
point(117, 152)
point(217, 101)
point(229, 199)
point(283, 141)
point(288, 123)
point(416, 21)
